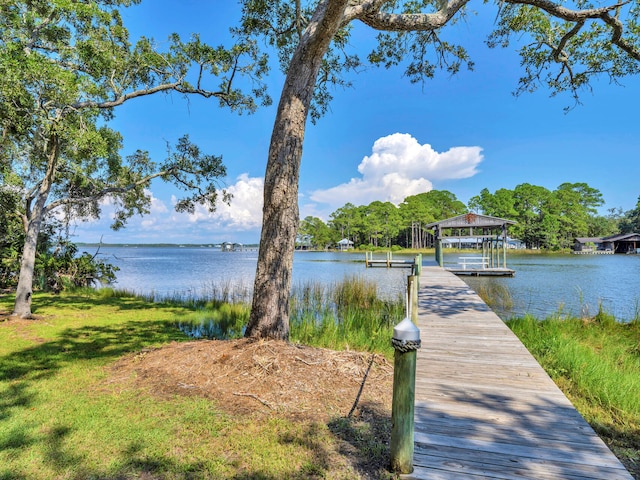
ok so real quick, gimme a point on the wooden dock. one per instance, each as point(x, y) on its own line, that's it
point(485, 409)
point(483, 272)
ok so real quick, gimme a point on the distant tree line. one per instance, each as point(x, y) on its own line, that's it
point(546, 219)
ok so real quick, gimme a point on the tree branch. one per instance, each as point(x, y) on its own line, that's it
point(616, 37)
point(369, 13)
point(104, 192)
point(564, 13)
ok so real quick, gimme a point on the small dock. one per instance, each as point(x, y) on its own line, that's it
point(592, 252)
point(485, 409)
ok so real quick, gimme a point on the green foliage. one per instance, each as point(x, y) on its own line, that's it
point(313, 232)
point(346, 315)
point(630, 223)
point(216, 320)
point(383, 225)
point(548, 219)
point(58, 266)
point(564, 53)
point(424, 208)
point(64, 69)
point(496, 295)
point(545, 219)
point(63, 268)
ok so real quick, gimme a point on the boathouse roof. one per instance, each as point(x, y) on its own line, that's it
point(589, 239)
point(629, 237)
point(620, 237)
point(471, 220)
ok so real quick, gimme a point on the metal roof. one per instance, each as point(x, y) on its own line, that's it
point(471, 220)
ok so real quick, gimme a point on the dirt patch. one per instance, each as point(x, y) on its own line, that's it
point(350, 392)
point(267, 376)
point(6, 316)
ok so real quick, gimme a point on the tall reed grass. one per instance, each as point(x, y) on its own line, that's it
point(347, 314)
point(496, 295)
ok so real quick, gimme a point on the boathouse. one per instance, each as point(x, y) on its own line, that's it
point(620, 243)
point(490, 232)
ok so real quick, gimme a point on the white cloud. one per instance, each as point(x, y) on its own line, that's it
point(164, 224)
point(245, 211)
point(398, 167)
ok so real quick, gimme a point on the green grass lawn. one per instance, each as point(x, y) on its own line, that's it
point(62, 418)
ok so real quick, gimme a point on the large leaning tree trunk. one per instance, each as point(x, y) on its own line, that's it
point(32, 221)
point(270, 307)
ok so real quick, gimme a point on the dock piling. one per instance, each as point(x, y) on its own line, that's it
point(405, 341)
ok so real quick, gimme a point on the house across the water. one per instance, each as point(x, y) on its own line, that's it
point(345, 244)
point(621, 243)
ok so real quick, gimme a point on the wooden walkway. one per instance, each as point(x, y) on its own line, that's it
point(484, 406)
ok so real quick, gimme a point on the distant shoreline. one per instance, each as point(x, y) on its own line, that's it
point(165, 245)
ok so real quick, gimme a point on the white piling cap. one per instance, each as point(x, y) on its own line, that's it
point(406, 330)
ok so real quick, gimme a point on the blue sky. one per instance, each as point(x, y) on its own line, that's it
point(383, 139)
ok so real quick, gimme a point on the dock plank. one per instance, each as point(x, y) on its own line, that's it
point(484, 407)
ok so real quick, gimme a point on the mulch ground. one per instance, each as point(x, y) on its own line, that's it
point(264, 376)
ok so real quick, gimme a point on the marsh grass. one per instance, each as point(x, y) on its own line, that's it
point(596, 362)
point(496, 295)
point(347, 314)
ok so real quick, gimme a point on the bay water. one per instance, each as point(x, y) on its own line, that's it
point(200, 271)
point(543, 284)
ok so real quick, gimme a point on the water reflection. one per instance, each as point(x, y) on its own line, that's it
point(210, 329)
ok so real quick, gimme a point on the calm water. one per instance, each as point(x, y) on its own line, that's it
point(197, 271)
point(543, 284)
point(570, 284)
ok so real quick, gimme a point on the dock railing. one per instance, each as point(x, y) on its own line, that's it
point(390, 262)
point(482, 262)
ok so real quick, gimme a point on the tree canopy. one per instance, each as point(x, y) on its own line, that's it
point(545, 219)
point(64, 69)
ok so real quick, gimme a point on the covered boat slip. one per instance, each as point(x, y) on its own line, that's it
point(490, 233)
point(628, 243)
point(484, 406)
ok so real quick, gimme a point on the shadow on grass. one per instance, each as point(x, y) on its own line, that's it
point(84, 343)
point(80, 301)
point(362, 441)
point(365, 440)
point(20, 370)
